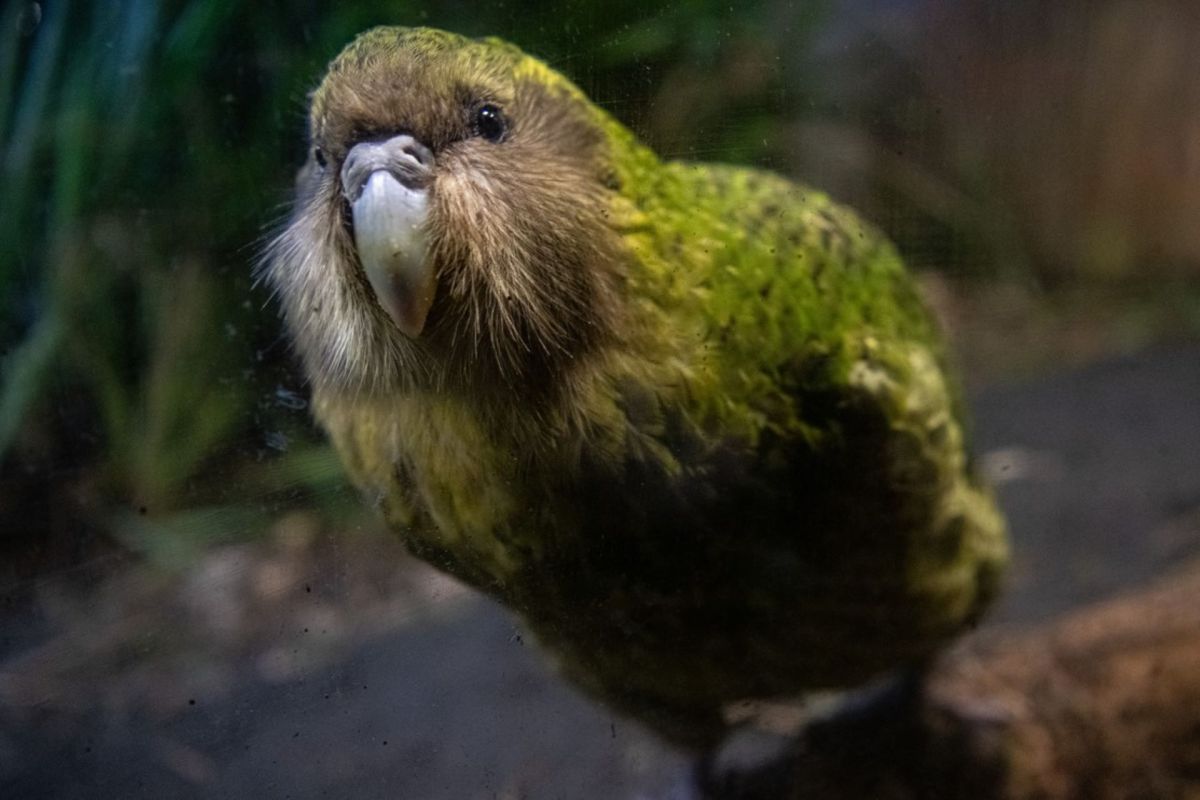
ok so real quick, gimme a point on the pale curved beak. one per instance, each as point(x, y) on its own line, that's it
point(386, 184)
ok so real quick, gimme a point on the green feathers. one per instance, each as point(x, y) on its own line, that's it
point(691, 422)
point(768, 275)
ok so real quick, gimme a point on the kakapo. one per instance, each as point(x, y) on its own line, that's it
point(691, 422)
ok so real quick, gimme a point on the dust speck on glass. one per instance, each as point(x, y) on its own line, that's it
point(598, 400)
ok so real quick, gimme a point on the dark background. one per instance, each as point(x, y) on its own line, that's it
point(193, 603)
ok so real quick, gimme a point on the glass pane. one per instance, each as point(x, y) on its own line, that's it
point(434, 427)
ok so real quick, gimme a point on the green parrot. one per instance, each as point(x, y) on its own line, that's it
point(691, 422)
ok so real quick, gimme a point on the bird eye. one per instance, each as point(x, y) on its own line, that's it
point(319, 157)
point(490, 123)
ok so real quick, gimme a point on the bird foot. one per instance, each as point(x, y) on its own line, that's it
point(752, 764)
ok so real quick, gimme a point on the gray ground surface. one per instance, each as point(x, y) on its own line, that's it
point(338, 669)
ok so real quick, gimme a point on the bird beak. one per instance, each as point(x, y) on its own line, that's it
point(386, 184)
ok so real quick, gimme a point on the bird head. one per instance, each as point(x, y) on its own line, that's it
point(452, 221)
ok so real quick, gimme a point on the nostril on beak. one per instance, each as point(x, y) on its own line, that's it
point(415, 149)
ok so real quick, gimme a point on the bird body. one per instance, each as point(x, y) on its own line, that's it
point(691, 422)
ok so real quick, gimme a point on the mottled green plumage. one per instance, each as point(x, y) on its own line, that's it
point(749, 481)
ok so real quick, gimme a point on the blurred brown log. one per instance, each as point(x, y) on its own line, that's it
point(1101, 704)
